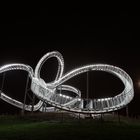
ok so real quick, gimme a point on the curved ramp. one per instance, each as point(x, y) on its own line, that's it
point(50, 93)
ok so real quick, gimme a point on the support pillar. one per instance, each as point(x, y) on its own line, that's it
point(25, 95)
point(2, 85)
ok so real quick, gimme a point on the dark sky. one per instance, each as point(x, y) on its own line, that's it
point(83, 36)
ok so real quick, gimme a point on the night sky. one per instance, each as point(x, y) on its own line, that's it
point(83, 36)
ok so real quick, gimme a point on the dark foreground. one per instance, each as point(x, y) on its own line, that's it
point(32, 128)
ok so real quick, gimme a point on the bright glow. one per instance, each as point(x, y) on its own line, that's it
point(138, 83)
point(48, 92)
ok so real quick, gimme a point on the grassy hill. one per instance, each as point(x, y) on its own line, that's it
point(38, 128)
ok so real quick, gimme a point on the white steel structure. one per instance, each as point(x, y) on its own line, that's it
point(51, 93)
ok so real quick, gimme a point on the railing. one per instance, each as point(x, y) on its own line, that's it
point(48, 92)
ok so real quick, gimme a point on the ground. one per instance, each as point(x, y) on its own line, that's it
point(36, 128)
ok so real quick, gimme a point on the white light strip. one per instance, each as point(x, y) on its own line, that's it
point(48, 92)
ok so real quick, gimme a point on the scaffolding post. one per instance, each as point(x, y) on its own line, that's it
point(25, 95)
point(87, 85)
point(62, 117)
point(119, 119)
point(2, 85)
point(88, 88)
point(33, 102)
point(127, 112)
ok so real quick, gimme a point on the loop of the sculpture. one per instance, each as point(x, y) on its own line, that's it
point(45, 58)
point(50, 96)
point(15, 102)
point(60, 70)
point(79, 105)
point(59, 96)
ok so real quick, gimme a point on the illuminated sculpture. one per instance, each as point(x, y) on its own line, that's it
point(50, 92)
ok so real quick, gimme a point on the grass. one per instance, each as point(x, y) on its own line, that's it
point(32, 128)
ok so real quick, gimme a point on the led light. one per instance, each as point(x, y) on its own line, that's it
point(71, 102)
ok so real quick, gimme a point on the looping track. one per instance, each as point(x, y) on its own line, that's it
point(50, 92)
